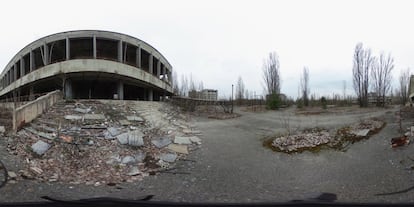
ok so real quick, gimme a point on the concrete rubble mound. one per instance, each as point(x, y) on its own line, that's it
point(102, 142)
point(301, 141)
point(310, 139)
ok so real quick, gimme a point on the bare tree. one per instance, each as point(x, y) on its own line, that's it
point(304, 85)
point(184, 85)
point(176, 86)
point(381, 77)
point(239, 89)
point(362, 65)
point(404, 80)
point(344, 89)
point(271, 74)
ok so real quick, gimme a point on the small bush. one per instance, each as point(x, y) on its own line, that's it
point(273, 102)
point(324, 103)
point(299, 103)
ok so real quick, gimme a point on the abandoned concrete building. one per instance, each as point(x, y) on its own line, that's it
point(88, 64)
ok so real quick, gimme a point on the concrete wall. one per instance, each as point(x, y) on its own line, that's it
point(28, 112)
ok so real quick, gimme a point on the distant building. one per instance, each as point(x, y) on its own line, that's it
point(373, 99)
point(206, 94)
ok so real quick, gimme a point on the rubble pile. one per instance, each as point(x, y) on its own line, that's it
point(106, 142)
point(310, 139)
point(301, 141)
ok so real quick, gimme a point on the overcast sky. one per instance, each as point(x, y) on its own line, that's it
point(217, 41)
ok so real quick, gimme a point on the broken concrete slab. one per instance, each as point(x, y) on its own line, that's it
point(195, 139)
point(113, 131)
point(12, 174)
point(182, 140)
point(161, 142)
point(135, 138)
point(123, 138)
point(134, 118)
point(168, 157)
point(183, 149)
point(139, 157)
point(40, 147)
point(94, 116)
point(361, 133)
point(73, 117)
point(124, 122)
point(134, 171)
point(128, 160)
point(2, 129)
point(40, 134)
point(80, 110)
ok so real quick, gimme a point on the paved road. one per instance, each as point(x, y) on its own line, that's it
point(232, 166)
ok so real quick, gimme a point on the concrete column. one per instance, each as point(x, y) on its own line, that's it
point(150, 95)
point(31, 93)
point(31, 58)
point(164, 73)
point(46, 54)
point(139, 56)
point(121, 90)
point(120, 55)
point(68, 89)
point(170, 78)
point(15, 72)
point(67, 48)
point(94, 47)
point(150, 64)
point(22, 67)
point(158, 69)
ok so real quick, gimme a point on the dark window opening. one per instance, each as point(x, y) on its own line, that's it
point(18, 75)
point(26, 60)
point(145, 60)
point(154, 65)
point(132, 92)
point(57, 51)
point(12, 78)
point(130, 54)
point(81, 48)
point(38, 60)
point(94, 89)
point(107, 49)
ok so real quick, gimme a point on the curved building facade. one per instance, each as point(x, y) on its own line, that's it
point(88, 64)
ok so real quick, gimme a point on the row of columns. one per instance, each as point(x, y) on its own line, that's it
point(11, 75)
point(68, 92)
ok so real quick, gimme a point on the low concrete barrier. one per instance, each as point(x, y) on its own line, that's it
point(26, 113)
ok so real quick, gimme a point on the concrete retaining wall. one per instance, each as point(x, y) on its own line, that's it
point(28, 112)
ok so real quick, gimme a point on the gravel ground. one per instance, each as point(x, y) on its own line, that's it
point(233, 166)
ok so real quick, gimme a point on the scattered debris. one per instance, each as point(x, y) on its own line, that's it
point(399, 141)
point(94, 143)
point(2, 129)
